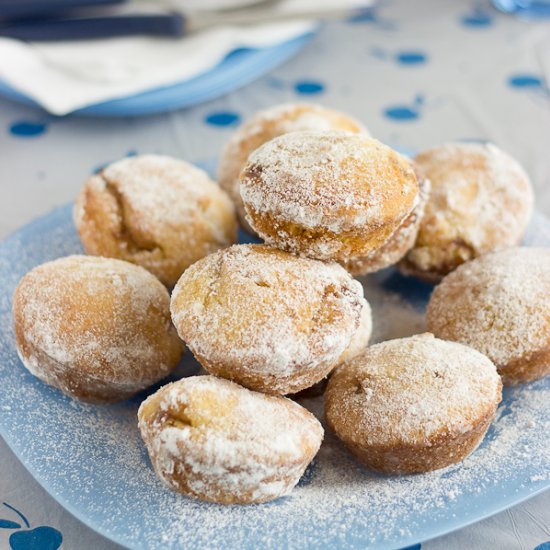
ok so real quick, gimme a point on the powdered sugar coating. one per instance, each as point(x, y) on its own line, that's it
point(213, 439)
point(481, 200)
point(97, 328)
point(498, 304)
point(268, 124)
point(411, 391)
point(156, 211)
point(327, 195)
point(267, 319)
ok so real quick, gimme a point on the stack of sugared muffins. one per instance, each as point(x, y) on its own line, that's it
point(274, 319)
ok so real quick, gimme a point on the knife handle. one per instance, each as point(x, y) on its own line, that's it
point(169, 25)
point(17, 9)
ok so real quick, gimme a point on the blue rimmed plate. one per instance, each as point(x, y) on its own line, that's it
point(239, 68)
point(91, 459)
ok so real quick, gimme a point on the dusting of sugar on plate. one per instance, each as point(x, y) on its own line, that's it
point(91, 458)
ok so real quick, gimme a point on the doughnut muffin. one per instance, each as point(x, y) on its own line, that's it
point(399, 243)
point(269, 320)
point(499, 304)
point(414, 404)
point(327, 195)
point(155, 211)
point(481, 201)
point(214, 440)
point(266, 125)
point(96, 328)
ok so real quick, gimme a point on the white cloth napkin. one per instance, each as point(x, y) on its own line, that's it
point(65, 76)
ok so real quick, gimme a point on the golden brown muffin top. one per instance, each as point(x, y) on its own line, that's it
point(276, 121)
point(157, 211)
point(498, 303)
point(267, 309)
point(105, 313)
point(411, 391)
point(213, 425)
point(338, 181)
point(481, 200)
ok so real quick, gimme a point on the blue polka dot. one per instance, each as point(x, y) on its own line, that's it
point(543, 546)
point(23, 128)
point(401, 112)
point(410, 58)
point(223, 118)
point(477, 18)
point(405, 112)
point(525, 81)
point(309, 87)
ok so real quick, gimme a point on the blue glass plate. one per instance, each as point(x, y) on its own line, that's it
point(91, 459)
point(239, 68)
